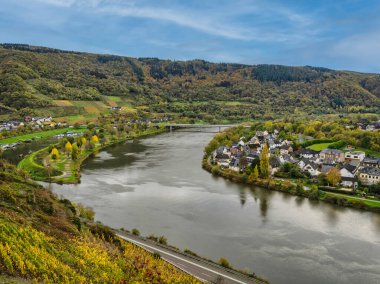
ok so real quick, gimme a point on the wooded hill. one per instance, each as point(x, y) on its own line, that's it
point(52, 80)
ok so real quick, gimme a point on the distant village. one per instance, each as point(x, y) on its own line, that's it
point(353, 166)
point(34, 123)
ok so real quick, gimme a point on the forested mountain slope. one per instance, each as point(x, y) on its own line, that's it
point(38, 77)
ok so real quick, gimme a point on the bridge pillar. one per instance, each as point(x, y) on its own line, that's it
point(171, 128)
point(220, 128)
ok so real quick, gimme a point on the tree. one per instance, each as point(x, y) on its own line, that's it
point(254, 175)
point(94, 139)
point(333, 176)
point(74, 152)
point(68, 148)
point(264, 162)
point(83, 141)
point(54, 154)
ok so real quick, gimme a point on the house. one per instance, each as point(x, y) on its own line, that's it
point(312, 168)
point(344, 172)
point(307, 153)
point(235, 164)
point(331, 156)
point(352, 167)
point(369, 175)
point(286, 149)
point(351, 182)
point(253, 156)
point(274, 163)
point(371, 162)
point(115, 108)
point(354, 155)
point(287, 159)
point(326, 168)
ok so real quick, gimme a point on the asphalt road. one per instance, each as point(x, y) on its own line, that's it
point(201, 269)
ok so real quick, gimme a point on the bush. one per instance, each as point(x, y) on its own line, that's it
point(314, 194)
point(163, 240)
point(224, 262)
point(85, 212)
point(135, 232)
point(156, 255)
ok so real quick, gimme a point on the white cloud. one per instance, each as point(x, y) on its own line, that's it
point(222, 21)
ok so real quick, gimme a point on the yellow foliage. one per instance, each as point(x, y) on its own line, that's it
point(95, 139)
point(54, 154)
point(34, 255)
point(68, 147)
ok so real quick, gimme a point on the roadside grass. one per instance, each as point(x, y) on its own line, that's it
point(37, 135)
point(319, 147)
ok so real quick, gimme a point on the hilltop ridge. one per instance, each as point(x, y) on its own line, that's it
point(36, 79)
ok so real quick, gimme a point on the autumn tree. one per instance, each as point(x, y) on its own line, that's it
point(83, 141)
point(254, 175)
point(75, 152)
point(94, 139)
point(333, 176)
point(264, 162)
point(68, 148)
point(54, 154)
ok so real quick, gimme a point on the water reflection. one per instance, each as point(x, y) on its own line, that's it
point(157, 185)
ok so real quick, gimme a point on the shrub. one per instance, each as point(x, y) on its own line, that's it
point(135, 232)
point(163, 240)
point(224, 262)
point(314, 194)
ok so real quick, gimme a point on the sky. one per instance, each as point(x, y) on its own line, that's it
point(338, 34)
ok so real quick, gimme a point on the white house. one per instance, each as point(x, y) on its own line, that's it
point(354, 155)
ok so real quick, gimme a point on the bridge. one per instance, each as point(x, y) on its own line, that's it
point(172, 126)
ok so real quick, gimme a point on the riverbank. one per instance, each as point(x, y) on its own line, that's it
point(294, 189)
point(67, 170)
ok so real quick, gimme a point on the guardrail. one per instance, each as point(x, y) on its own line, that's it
point(193, 257)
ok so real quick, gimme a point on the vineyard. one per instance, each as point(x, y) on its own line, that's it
point(43, 240)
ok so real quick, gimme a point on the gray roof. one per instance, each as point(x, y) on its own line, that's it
point(371, 160)
point(331, 151)
point(370, 171)
point(325, 168)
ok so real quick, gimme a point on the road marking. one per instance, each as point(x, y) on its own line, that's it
point(185, 260)
point(180, 264)
point(206, 274)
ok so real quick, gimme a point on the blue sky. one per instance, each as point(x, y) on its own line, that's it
point(339, 34)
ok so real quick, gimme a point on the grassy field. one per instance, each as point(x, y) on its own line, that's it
point(368, 202)
point(37, 135)
point(319, 147)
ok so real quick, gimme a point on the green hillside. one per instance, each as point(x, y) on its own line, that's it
point(39, 79)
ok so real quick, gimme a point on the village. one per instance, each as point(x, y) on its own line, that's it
point(351, 168)
point(28, 125)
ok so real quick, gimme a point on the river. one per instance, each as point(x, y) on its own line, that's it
point(158, 186)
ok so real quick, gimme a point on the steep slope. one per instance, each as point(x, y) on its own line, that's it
point(43, 240)
point(39, 77)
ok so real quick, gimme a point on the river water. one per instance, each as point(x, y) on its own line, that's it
point(158, 186)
